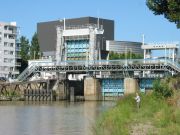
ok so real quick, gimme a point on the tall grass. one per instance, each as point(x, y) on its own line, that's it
point(161, 117)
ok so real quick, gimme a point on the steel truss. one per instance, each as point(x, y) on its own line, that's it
point(83, 68)
point(104, 66)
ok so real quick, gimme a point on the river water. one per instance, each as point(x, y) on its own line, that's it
point(50, 118)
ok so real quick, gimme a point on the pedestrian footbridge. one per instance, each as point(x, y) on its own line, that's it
point(154, 65)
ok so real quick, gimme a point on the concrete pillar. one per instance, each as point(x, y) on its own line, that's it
point(60, 90)
point(72, 98)
point(130, 86)
point(92, 89)
point(144, 53)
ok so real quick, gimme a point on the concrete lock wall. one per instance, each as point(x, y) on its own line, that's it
point(130, 86)
point(60, 91)
point(92, 89)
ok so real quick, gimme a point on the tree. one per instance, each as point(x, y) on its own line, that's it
point(161, 89)
point(24, 52)
point(128, 55)
point(35, 49)
point(169, 8)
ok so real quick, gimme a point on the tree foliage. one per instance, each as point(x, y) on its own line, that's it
point(129, 55)
point(35, 49)
point(162, 89)
point(24, 52)
point(169, 8)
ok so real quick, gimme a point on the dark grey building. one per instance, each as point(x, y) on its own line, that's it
point(47, 31)
point(124, 46)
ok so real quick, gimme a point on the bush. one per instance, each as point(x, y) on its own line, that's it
point(161, 89)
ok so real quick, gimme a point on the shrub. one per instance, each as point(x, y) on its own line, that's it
point(161, 89)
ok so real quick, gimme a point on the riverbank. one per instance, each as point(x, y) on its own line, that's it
point(156, 116)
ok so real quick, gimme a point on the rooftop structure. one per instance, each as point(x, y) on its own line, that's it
point(171, 50)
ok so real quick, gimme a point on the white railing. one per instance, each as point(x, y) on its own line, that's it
point(33, 66)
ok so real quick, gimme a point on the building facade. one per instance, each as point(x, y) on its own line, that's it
point(124, 47)
point(47, 32)
point(9, 49)
point(79, 43)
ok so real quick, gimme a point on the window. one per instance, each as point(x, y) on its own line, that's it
point(5, 60)
point(11, 52)
point(5, 36)
point(11, 37)
point(5, 43)
point(5, 27)
point(11, 44)
point(6, 52)
point(11, 68)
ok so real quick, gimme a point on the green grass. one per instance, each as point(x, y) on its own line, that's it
point(161, 117)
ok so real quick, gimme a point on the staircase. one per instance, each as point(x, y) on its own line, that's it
point(174, 65)
point(27, 72)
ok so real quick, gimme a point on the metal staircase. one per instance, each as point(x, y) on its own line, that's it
point(27, 72)
point(174, 65)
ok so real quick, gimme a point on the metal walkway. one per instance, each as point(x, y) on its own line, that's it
point(103, 65)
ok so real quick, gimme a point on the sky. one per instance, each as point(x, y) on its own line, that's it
point(132, 17)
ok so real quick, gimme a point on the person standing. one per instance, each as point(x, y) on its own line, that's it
point(137, 98)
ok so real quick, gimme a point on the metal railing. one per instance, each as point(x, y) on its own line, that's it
point(110, 62)
point(66, 66)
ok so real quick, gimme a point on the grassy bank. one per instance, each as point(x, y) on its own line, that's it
point(155, 116)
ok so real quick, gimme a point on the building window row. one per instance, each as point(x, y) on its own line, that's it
point(8, 60)
point(7, 52)
point(7, 44)
point(5, 68)
point(9, 28)
point(9, 36)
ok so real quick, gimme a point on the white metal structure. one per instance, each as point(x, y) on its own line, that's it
point(8, 49)
point(170, 50)
point(77, 40)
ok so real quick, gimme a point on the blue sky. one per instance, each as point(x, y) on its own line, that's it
point(132, 17)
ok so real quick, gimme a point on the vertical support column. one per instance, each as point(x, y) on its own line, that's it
point(72, 98)
point(92, 89)
point(144, 60)
point(48, 90)
point(144, 54)
point(165, 54)
point(92, 45)
point(59, 45)
point(173, 55)
point(130, 86)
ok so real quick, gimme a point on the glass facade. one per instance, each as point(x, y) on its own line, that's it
point(77, 49)
point(146, 83)
point(112, 87)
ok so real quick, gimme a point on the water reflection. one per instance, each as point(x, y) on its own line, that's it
point(49, 118)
